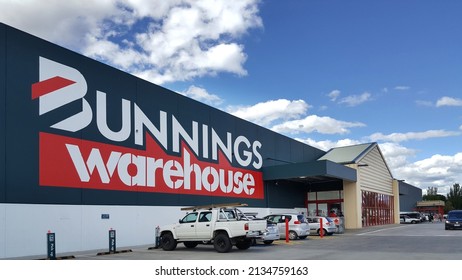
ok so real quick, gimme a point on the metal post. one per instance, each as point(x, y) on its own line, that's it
point(287, 230)
point(112, 241)
point(157, 237)
point(51, 245)
point(321, 228)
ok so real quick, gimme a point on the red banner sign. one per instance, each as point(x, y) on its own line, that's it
point(76, 163)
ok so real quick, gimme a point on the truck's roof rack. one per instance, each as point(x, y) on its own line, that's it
point(220, 205)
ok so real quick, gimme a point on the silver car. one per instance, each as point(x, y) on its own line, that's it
point(271, 234)
point(272, 229)
point(298, 227)
point(328, 225)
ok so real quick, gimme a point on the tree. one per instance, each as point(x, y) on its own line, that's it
point(455, 196)
point(432, 194)
point(448, 207)
point(432, 191)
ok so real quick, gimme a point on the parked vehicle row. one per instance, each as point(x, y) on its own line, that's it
point(452, 220)
point(418, 217)
point(301, 227)
point(225, 226)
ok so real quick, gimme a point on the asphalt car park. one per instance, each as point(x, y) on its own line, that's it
point(423, 241)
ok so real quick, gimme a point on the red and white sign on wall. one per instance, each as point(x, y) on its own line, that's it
point(169, 159)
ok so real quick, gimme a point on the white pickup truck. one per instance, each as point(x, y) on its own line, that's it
point(222, 225)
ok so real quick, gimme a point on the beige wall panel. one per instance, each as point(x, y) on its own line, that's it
point(375, 176)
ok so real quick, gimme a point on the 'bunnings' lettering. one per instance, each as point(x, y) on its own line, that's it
point(168, 158)
point(55, 91)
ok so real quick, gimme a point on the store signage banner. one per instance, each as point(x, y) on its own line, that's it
point(163, 157)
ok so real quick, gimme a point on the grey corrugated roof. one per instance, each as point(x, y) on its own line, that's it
point(349, 154)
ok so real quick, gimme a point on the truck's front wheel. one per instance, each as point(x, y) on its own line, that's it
point(168, 242)
point(221, 243)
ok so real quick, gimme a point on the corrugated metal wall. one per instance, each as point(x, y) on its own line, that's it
point(408, 196)
point(376, 176)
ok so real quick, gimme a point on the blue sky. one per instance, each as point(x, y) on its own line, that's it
point(328, 73)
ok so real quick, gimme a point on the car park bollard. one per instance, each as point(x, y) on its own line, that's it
point(321, 228)
point(157, 237)
point(112, 245)
point(112, 241)
point(51, 246)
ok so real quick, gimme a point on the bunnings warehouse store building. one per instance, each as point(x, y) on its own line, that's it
point(85, 148)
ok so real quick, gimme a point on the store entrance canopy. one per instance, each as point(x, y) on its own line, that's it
point(309, 171)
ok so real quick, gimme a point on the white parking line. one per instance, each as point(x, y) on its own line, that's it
point(379, 230)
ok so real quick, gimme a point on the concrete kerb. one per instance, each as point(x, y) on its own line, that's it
point(116, 252)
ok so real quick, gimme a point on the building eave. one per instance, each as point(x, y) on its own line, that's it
point(309, 170)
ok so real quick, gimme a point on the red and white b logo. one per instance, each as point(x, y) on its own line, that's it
point(60, 85)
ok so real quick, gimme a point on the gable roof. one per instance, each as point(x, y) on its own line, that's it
point(348, 154)
point(354, 154)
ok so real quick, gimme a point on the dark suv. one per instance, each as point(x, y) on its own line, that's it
point(454, 220)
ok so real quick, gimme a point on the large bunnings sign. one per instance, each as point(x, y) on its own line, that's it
point(166, 155)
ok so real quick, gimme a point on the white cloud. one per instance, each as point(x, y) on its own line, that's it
point(396, 156)
point(201, 94)
point(355, 100)
point(333, 95)
point(265, 113)
point(402, 88)
point(326, 145)
point(440, 171)
point(401, 137)
point(313, 123)
point(162, 41)
point(66, 22)
point(448, 101)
